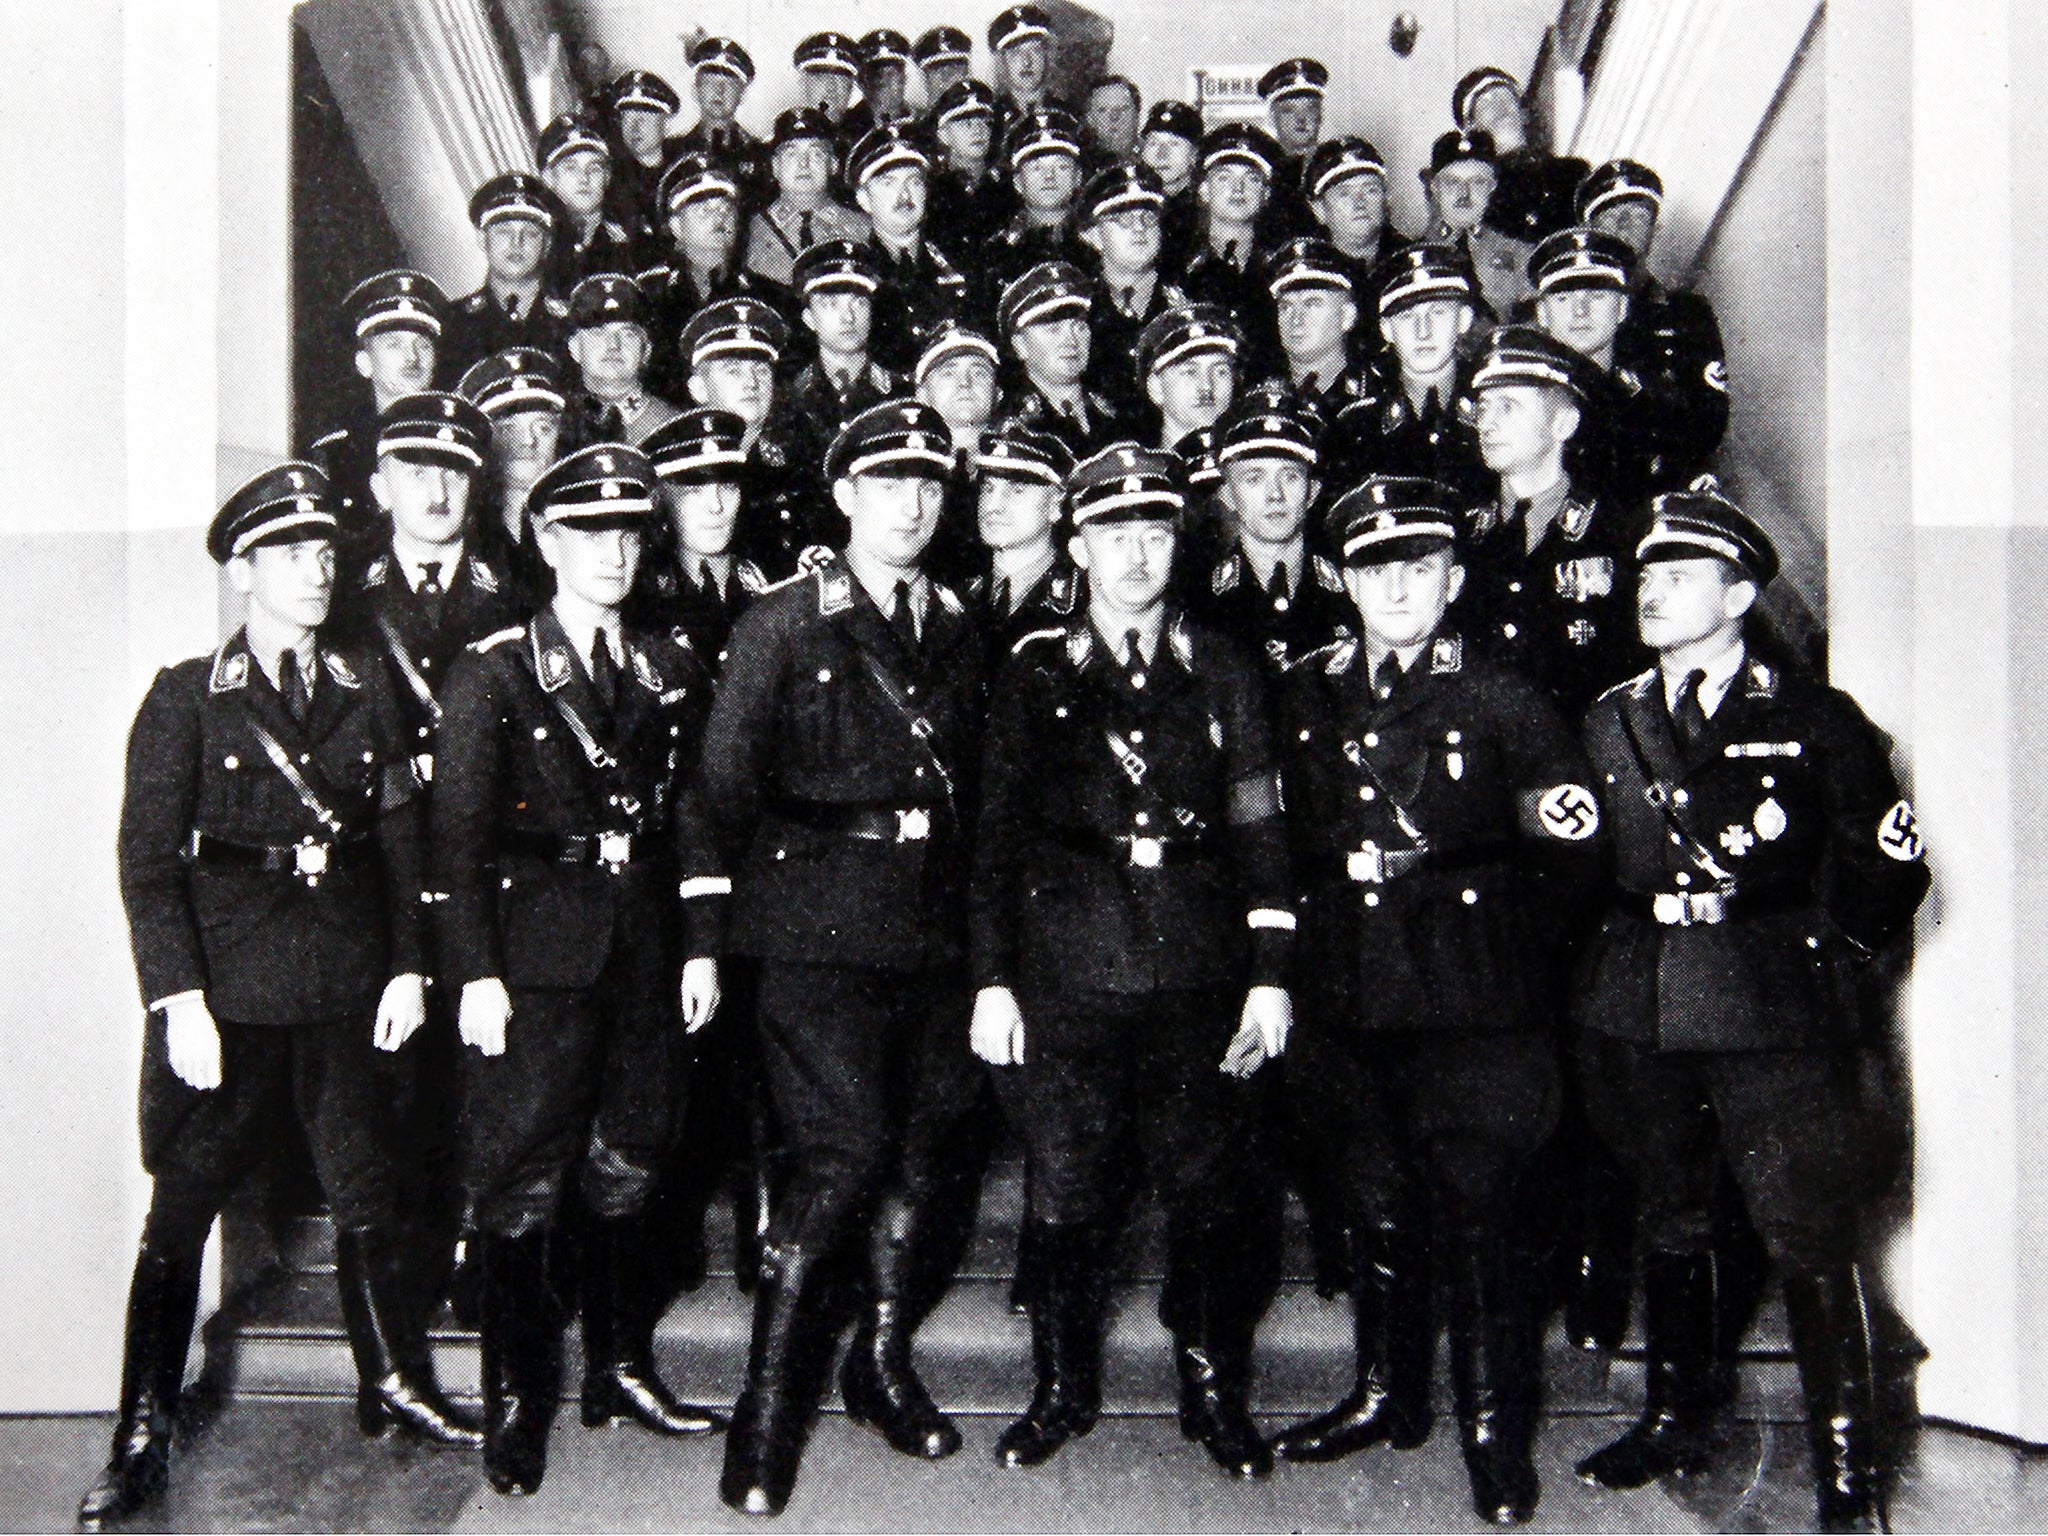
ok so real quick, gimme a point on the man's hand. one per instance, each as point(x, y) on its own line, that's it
point(401, 1010)
point(1271, 1011)
point(485, 1008)
point(193, 1041)
point(997, 1033)
point(1261, 1031)
point(700, 992)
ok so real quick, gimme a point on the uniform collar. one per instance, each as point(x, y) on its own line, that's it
point(1721, 674)
point(1537, 513)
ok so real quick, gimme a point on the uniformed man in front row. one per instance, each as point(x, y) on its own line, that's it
point(578, 882)
point(840, 767)
point(1441, 826)
point(427, 593)
point(272, 867)
point(1132, 918)
point(1763, 855)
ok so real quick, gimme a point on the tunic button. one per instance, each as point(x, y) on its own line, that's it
point(824, 674)
point(1514, 586)
point(1675, 838)
point(1769, 781)
point(1279, 605)
point(423, 733)
point(1304, 735)
point(426, 662)
point(920, 772)
point(1682, 878)
point(1060, 713)
point(1137, 737)
point(1680, 797)
point(305, 757)
point(781, 853)
point(1137, 679)
point(910, 690)
point(1365, 793)
point(1143, 819)
point(1372, 738)
point(1469, 896)
point(1509, 630)
point(231, 762)
point(369, 757)
point(540, 733)
point(1812, 942)
point(1372, 898)
point(1454, 737)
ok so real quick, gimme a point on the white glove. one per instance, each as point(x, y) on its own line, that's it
point(997, 1033)
point(401, 1010)
point(700, 992)
point(193, 1040)
point(486, 1006)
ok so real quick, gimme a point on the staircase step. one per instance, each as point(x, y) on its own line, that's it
point(286, 1341)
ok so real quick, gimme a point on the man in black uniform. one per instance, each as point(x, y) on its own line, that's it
point(1120, 222)
point(396, 318)
point(638, 108)
point(514, 215)
point(565, 830)
point(919, 284)
point(828, 65)
point(956, 376)
point(1763, 852)
point(1026, 580)
point(1345, 182)
point(1187, 361)
point(426, 593)
point(970, 199)
point(884, 86)
point(1670, 337)
point(702, 587)
point(700, 201)
point(1020, 43)
point(1045, 322)
point(734, 347)
point(1315, 299)
point(1130, 877)
point(1272, 594)
point(272, 870)
point(523, 393)
point(1408, 424)
point(839, 764)
point(944, 56)
point(1042, 150)
point(1238, 163)
point(721, 71)
point(1171, 148)
point(576, 162)
point(833, 289)
point(611, 346)
point(1293, 92)
point(1442, 827)
point(1459, 183)
point(1551, 588)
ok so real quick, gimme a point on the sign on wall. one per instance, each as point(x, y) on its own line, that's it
point(1227, 93)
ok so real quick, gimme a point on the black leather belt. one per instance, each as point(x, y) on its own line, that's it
point(611, 851)
point(869, 822)
point(1373, 865)
point(307, 860)
point(1136, 849)
point(1707, 909)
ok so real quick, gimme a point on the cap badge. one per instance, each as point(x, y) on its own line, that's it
point(611, 490)
point(916, 442)
point(1132, 485)
point(446, 435)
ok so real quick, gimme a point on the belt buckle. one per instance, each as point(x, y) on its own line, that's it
point(309, 861)
point(614, 850)
point(1147, 852)
point(1367, 865)
point(913, 825)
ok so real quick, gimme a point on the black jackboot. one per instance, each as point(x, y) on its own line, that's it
point(619, 1378)
point(1212, 1326)
point(163, 1297)
point(1683, 1386)
point(753, 1189)
point(1495, 1376)
point(773, 1416)
point(878, 1382)
point(1395, 1328)
point(1066, 1345)
point(1830, 1324)
point(521, 1337)
point(395, 1383)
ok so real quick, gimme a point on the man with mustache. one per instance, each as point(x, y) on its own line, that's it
point(919, 284)
point(700, 202)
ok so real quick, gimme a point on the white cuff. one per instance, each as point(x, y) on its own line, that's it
point(1270, 917)
point(177, 997)
point(705, 885)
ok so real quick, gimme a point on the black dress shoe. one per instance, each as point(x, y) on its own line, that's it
point(626, 1392)
point(417, 1410)
point(762, 1453)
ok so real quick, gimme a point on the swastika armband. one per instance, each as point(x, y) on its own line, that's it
point(1566, 812)
point(1898, 834)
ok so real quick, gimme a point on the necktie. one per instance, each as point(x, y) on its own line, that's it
point(1280, 588)
point(1688, 720)
point(903, 620)
point(611, 426)
point(1230, 252)
point(430, 578)
point(1134, 654)
point(604, 671)
point(511, 306)
point(803, 231)
point(1000, 597)
point(707, 581)
point(1385, 676)
point(298, 691)
point(1128, 302)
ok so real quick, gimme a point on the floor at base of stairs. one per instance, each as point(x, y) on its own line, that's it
point(271, 1466)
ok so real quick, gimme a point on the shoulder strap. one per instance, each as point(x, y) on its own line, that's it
point(1658, 793)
